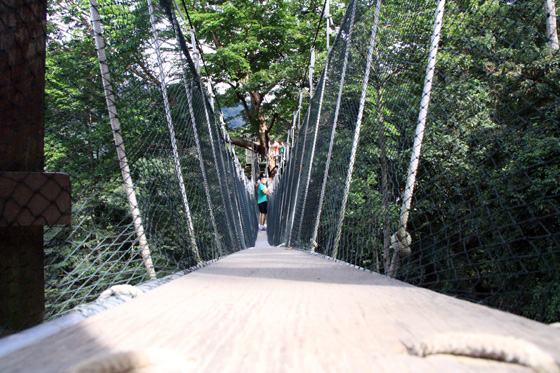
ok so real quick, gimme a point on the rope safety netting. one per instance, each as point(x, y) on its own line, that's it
point(155, 187)
point(431, 151)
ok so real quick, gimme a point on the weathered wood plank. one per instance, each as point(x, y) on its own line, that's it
point(274, 310)
point(34, 198)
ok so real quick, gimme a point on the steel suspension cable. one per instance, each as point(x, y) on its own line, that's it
point(189, 90)
point(333, 131)
point(314, 143)
point(402, 238)
point(178, 168)
point(119, 142)
point(357, 131)
point(297, 174)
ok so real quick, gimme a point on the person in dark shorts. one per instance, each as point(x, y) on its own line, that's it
point(262, 200)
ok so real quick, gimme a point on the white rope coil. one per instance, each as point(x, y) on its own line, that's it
point(487, 346)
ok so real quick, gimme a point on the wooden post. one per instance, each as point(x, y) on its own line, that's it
point(22, 86)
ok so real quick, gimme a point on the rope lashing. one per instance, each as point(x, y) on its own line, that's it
point(120, 290)
point(401, 241)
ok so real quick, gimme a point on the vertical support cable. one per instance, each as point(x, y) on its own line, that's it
point(328, 21)
point(295, 125)
point(356, 133)
point(551, 30)
point(178, 170)
point(402, 239)
point(189, 91)
point(297, 175)
point(299, 114)
point(210, 94)
point(311, 68)
point(241, 175)
point(313, 145)
point(220, 179)
point(195, 51)
point(119, 142)
point(201, 162)
point(255, 159)
point(335, 119)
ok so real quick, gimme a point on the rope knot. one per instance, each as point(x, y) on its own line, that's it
point(401, 241)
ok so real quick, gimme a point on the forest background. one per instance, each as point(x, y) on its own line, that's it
point(486, 225)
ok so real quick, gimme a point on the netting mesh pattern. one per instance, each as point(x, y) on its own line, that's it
point(484, 215)
point(155, 188)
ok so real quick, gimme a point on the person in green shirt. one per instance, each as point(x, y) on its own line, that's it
point(262, 200)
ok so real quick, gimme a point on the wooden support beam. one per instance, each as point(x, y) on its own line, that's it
point(22, 86)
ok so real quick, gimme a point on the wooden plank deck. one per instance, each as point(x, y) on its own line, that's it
point(268, 309)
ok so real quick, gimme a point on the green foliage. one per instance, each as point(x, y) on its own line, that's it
point(260, 49)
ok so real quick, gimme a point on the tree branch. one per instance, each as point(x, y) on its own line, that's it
point(253, 146)
point(145, 73)
point(243, 102)
point(277, 117)
point(272, 121)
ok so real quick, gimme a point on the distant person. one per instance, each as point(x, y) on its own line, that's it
point(275, 152)
point(262, 200)
point(282, 150)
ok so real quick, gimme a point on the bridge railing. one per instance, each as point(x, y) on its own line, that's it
point(430, 152)
point(154, 188)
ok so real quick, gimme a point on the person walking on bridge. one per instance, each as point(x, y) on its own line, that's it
point(262, 200)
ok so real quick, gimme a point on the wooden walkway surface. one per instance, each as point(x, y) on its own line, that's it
point(268, 309)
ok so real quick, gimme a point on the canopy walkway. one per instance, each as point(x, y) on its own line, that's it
point(276, 310)
point(419, 192)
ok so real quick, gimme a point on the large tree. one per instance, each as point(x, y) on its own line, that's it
point(260, 54)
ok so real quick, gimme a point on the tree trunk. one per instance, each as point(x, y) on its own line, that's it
point(254, 146)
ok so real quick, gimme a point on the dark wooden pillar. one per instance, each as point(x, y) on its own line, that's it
point(22, 86)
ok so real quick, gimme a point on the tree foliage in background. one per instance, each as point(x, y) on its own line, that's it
point(260, 54)
point(486, 200)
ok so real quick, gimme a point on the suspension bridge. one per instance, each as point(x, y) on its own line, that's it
point(413, 224)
